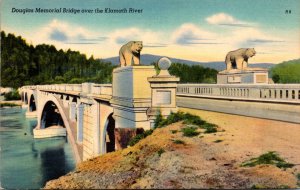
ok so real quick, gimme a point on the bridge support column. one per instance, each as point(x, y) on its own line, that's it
point(65, 101)
point(80, 109)
point(72, 111)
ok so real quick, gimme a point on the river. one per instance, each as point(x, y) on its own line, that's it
point(25, 162)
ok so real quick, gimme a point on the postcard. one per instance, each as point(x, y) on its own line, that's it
point(150, 94)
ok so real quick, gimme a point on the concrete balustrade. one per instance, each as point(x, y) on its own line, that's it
point(105, 89)
point(69, 87)
point(77, 88)
point(281, 92)
point(101, 89)
point(86, 88)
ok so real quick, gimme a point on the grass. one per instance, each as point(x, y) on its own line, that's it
point(177, 141)
point(218, 141)
point(139, 137)
point(268, 158)
point(190, 132)
point(259, 186)
point(160, 152)
point(187, 118)
point(298, 177)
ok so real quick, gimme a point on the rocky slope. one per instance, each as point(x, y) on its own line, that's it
point(167, 159)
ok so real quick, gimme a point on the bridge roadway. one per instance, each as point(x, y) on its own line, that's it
point(88, 111)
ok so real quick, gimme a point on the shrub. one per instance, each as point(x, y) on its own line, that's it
point(139, 137)
point(298, 177)
point(158, 120)
point(160, 152)
point(190, 132)
point(193, 119)
point(177, 141)
point(218, 141)
point(185, 117)
point(174, 131)
point(13, 95)
point(258, 186)
point(268, 158)
point(209, 128)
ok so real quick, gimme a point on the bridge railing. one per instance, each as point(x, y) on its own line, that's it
point(102, 89)
point(85, 88)
point(268, 92)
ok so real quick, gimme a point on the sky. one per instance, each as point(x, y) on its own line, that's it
point(197, 30)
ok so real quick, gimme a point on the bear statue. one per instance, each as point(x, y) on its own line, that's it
point(238, 59)
point(130, 53)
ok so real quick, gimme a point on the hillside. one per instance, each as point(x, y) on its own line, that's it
point(286, 72)
point(148, 59)
point(25, 64)
point(167, 159)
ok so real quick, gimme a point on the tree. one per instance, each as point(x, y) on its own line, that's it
point(286, 72)
point(24, 64)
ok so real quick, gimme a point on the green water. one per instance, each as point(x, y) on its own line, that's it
point(25, 162)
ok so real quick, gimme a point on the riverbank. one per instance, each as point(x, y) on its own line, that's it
point(167, 159)
point(11, 103)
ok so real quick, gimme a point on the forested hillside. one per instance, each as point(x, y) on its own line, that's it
point(287, 72)
point(194, 73)
point(24, 64)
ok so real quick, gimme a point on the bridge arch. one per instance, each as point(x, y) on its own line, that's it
point(32, 104)
point(108, 137)
point(26, 98)
point(51, 115)
point(52, 100)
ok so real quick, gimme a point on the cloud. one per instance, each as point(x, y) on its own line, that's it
point(263, 41)
point(123, 36)
point(63, 32)
point(58, 35)
point(188, 34)
point(251, 37)
point(226, 20)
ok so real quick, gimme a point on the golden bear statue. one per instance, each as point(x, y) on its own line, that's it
point(130, 53)
point(238, 59)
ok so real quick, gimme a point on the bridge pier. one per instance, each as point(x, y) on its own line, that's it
point(72, 111)
point(80, 110)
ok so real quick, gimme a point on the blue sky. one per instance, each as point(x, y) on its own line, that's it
point(200, 30)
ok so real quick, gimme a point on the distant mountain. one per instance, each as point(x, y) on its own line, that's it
point(147, 59)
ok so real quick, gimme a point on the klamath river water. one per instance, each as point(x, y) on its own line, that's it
point(25, 162)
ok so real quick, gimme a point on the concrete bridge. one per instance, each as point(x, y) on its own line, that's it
point(100, 118)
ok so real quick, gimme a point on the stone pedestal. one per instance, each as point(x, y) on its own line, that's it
point(132, 96)
point(249, 76)
point(163, 96)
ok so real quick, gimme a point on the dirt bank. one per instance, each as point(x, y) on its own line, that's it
point(203, 161)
